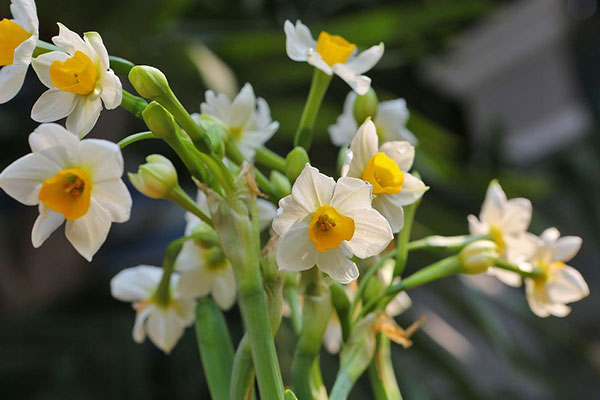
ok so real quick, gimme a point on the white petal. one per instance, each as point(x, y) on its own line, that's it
point(565, 248)
point(136, 283)
point(89, 232)
point(332, 339)
point(477, 227)
point(41, 66)
point(94, 41)
point(253, 139)
point(217, 105)
point(312, 189)
point(25, 12)
point(351, 194)
point(363, 147)
point(102, 158)
point(390, 207)
point(550, 235)
point(114, 197)
point(11, 80)
point(263, 113)
point(190, 258)
point(372, 233)
point(507, 277)
point(403, 153)
point(223, 289)
point(315, 59)
point(71, 42)
point(165, 328)
point(288, 213)
point(53, 104)
point(46, 223)
point(195, 283)
point(295, 251)
point(359, 83)
point(242, 107)
point(535, 299)
point(47, 136)
point(345, 128)
point(84, 116)
point(335, 263)
point(366, 60)
point(567, 286)
point(398, 305)
point(112, 90)
point(493, 205)
point(391, 120)
point(266, 212)
point(517, 216)
point(299, 40)
point(139, 327)
point(412, 190)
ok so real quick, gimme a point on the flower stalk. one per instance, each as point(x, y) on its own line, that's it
point(318, 88)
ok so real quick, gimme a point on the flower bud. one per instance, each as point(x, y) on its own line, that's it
point(160, 121)
point(216, 132)
point(478, 256)
point(156, 178)
point(281, 183)
point(295, 162)
point(365, 106)
point(149, 82)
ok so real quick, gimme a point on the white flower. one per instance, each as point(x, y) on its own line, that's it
point(79, 79)
point(390, 121)
point(386, 168)
point(72, 180)
point(324, 223)
point(506, 221)
point(332, 54)
point(560, 283)
point(18, 39)
point(164, 324)
point(247, 118)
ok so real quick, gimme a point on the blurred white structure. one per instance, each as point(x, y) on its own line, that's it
point(513, 71)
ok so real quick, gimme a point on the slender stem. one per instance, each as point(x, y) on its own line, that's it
point(242, 376)
point(364, 282)
point(535, 273)
point(179, 196)
point(216, 350)
point(136, 137)
point(290, 293)
point(381, 372)
point(404, 237)
point(134, 104)
point(318, 88)
point(342, 386)
point(235, 155)
point(341, 303)
point(163, 293)
point(270, 159)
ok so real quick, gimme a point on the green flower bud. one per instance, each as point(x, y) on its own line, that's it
point(295, 162)
point(478, 256)
point(160, 121)
point(205, 235)
point(155, 179)
point(281, 183)
point(216, 132)
point(365, 106)
point(148, 81)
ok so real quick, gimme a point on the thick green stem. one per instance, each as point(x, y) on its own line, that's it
point(381, 372)
point(242, 376)
point(404, 237)
point(180, 197)
point(342, 386)
point(270, 159)
point(163, 293)
point(136, 137)
point(216, 350)
point(134, 104)
point(318, 88)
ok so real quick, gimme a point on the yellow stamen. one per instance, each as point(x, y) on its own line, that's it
point(328, 228)
point(11, 36)
point(334, 49)
point(497, 237)
point(77, 74)
point(384, 174)
point(69, 192)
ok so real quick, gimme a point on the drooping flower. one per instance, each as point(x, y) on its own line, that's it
point(506, 221)
point(72, 180)
point(163, 323)
point(559, 283)
point(79, 81)
point(386, 168)
point(247, 118)
point(390, 121)
point(324, 223)
point(332, 54)
point(18, 39)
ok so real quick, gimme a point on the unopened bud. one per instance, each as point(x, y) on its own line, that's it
point(148, 81)
point(295, 162)
point(281, 183)
point(365, 106)
point(160, 121)
point(216, 131)
point(478, 256)
point(156, 178)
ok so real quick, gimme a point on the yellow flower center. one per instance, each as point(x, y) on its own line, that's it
point(328, 228)
point(77, 74)
point(11, 36)
point(384, 174)
point(334, 49)
point(69, 192)
point(496, 235)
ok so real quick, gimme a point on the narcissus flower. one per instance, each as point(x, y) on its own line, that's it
point(79, 80)
point(247, 118)
point(332, 54)
point(390, 120)
point(559, 283)
point(163, 323)
point(386, 168)
point(324, 223)
point(18, 39)
point(72, 180)
point(506, 221)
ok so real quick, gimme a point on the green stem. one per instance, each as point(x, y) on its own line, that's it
point(535, 273)
point(290, 292)
point(216, 350)
point(342, 306)
point(270, 159)
point(234, 154)
point(404, 237)
point(163, 293)
point(180, 197)
point(136, 137)
point(242, 376)
point(445, 243)
point(316, 381)
point(381, 372)
point(342, 386)
point(134, 104)
point(318, 88)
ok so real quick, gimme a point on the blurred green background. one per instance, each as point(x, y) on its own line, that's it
point(478, 75)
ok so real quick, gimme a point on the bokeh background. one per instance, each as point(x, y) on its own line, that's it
point(506, 89)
